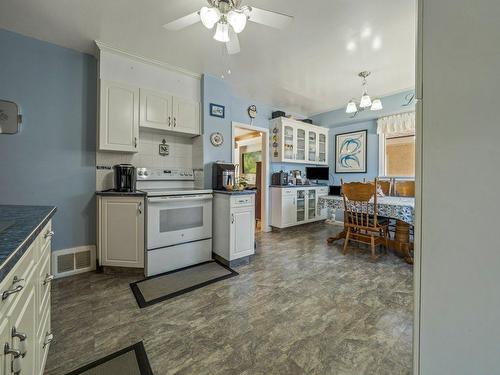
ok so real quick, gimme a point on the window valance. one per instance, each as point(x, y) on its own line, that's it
point(403, 123)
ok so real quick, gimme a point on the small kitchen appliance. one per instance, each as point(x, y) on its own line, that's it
point(296, 177)
point(125, 177)
point(223, 176)
point(279, 178)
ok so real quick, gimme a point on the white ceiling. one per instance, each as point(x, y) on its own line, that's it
point(305, 68)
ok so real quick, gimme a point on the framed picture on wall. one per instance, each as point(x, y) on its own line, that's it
point(350, 152)
point(217, 110)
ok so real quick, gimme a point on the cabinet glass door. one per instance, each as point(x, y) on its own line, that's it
point(288, 143)
point(301, 206)
point(301, 144)
point(311, 204)
point(312, 152)
point(322, 148)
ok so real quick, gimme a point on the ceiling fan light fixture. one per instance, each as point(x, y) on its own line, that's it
point(365, 101)
point(209, 17)
point(377, 105)
point(222, 32)
point(238, 20)
point(351, 107)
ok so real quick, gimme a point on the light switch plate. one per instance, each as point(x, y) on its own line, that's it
point(10, 119)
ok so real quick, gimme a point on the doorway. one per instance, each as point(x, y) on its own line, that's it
point(250, 154)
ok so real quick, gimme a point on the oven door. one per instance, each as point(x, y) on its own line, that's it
point(173, 220)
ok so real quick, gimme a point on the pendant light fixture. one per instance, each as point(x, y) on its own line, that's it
point(365, 101)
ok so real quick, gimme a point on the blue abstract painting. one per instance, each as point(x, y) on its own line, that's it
point(350, 152)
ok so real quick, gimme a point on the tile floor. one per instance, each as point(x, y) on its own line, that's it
point(301, 307)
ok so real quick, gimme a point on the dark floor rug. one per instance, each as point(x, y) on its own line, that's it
point(128, 361)
point(171, 284)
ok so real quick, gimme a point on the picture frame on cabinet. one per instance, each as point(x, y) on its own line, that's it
point(351, 152)
point(217, 110)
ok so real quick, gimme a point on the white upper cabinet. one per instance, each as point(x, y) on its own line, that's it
point(124, 108)
point(155, 110)
point(118, 117)
point(186, 116)
point(163, 111)
point(298, 142)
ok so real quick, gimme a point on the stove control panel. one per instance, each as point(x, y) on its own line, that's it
point(169, 174)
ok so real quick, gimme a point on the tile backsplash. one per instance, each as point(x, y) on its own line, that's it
point(180, 156)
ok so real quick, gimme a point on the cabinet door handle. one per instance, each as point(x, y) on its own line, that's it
point(49, 233)
point(232, 218)
point(169, 121)
point(49, 337)
point(139, 208)
point(48, 278)
point(21, 336)
point(8, 292)
point(175, 122)
point(135, 142)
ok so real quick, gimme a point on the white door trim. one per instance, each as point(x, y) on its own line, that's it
point(265, 208)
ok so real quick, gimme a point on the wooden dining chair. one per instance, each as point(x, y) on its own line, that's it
point(360, 220)
point(385, 186)
point(404, 188)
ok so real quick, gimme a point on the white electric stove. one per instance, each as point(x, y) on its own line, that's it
point(178, 219)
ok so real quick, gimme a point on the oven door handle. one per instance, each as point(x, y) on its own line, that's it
point(181, 198)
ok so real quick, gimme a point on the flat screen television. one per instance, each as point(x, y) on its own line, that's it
point(318, 173)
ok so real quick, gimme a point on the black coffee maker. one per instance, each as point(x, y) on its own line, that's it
point(124, 177)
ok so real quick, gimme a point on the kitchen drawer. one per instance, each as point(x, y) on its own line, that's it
point(288, 192)
point(242, 201)
point(43, 283)
point(43, 341)
point(323, 191)
point(21, 271)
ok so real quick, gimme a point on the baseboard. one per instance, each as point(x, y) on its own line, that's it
point(76, 268)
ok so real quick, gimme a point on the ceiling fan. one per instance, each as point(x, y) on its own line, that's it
point(230, 18)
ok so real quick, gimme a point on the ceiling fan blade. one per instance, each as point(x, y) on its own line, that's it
point(183, 22)
point(233, 46)
point(269, 18)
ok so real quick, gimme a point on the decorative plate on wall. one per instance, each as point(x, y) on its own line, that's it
point(217, 139)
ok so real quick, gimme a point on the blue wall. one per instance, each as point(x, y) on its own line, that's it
point(218, 91)
point(340, 122)
point(52, 160)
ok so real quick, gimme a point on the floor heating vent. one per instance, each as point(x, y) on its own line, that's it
point(72, 261)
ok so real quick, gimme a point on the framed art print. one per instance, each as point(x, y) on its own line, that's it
point(217, 110)
point(350, 152)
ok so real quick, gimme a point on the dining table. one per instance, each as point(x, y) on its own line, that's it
point(400, 209)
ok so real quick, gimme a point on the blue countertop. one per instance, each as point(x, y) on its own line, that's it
point(236, 192)
point(19, 226)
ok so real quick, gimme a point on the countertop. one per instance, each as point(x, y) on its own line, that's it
point(136, 193)
point(19, 226)
point(236, 192)
point(298, 186)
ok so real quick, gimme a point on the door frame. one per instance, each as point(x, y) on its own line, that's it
point(265, 207)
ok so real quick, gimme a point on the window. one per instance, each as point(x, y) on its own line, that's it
point(397, 155)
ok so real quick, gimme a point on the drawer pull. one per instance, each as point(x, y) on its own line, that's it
point(21, 336)
point(48, 279)
point(49, 337)
point(8, 292)
point(14, 352)
point(232, 218)
point(49, 233)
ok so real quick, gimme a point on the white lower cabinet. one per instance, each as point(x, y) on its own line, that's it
point(25, 310)
point(234, 226)
point(121, 231)
point(296, 205)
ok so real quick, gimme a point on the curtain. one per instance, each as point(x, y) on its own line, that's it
point(403, 123)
